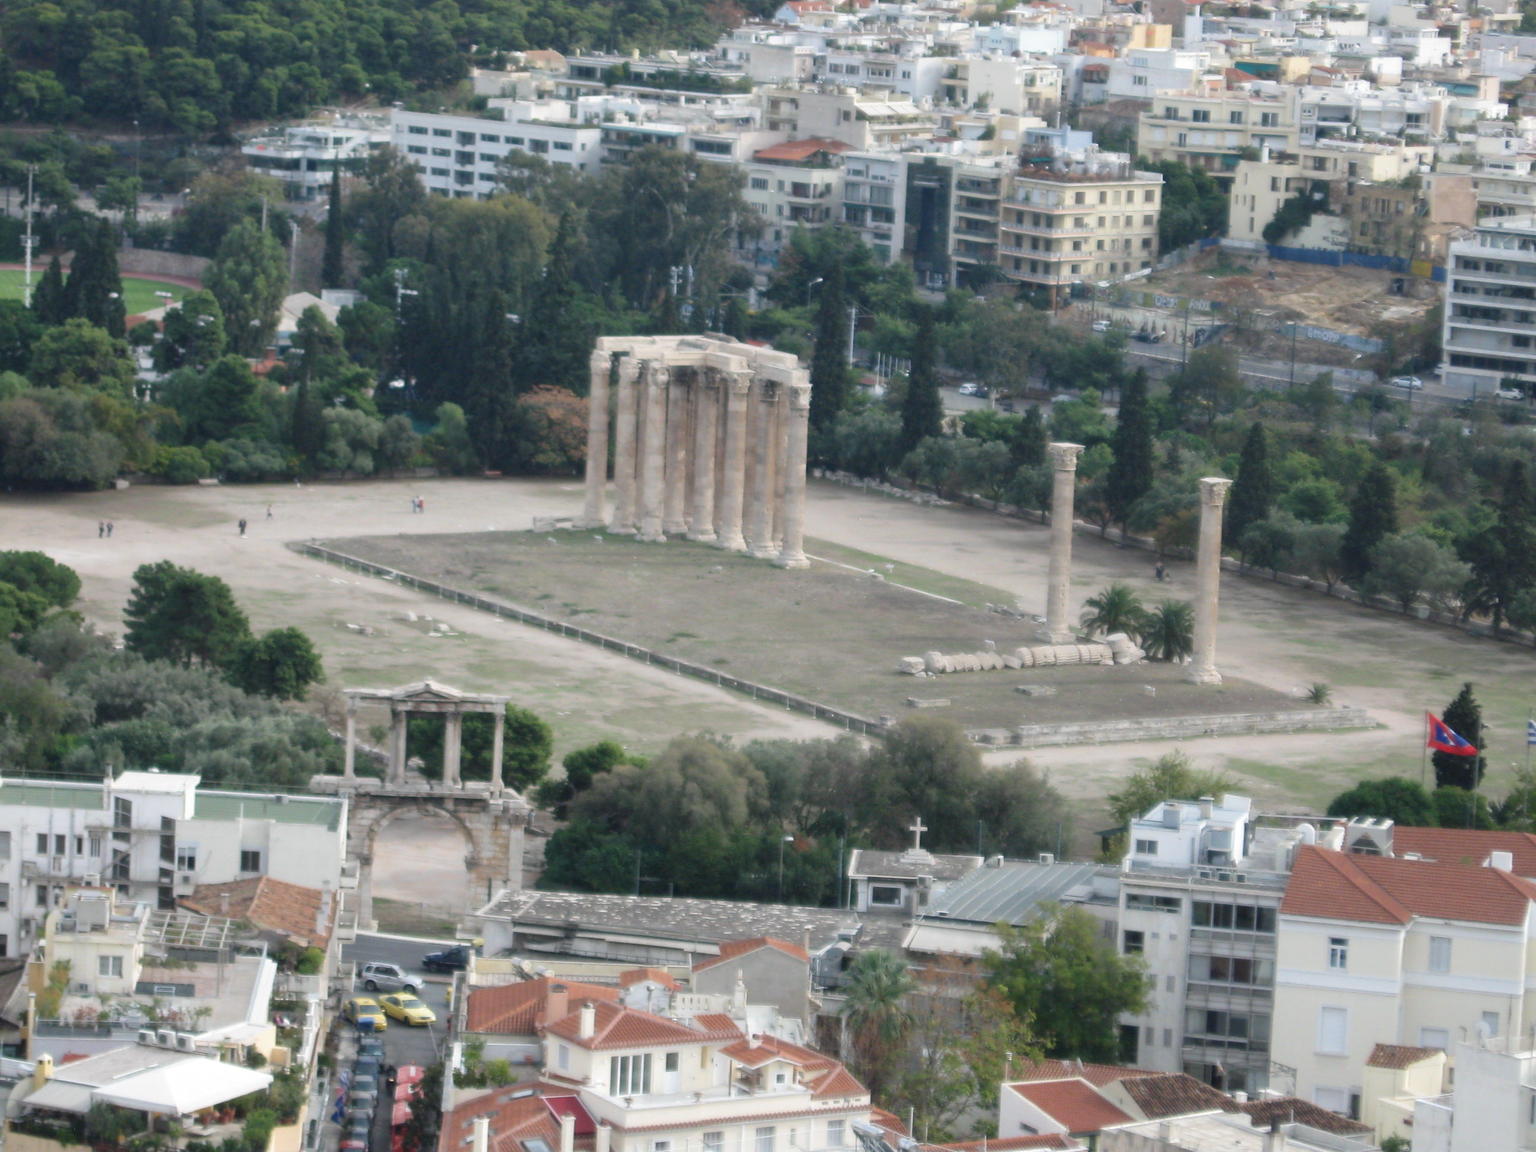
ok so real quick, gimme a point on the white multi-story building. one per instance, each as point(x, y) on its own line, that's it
point(459, 155)
point(1490, 306)
point(797, 184)
point(1214, 132)
point(152, 837)
point(304, 156)
point(1491, 1105)
point(1373, 949)
point(875, 200)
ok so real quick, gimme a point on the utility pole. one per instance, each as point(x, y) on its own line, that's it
point(293, 250)
point(29, 241)
point(853, 327)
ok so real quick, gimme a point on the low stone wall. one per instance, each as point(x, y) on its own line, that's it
point(153, 262)
point(1175, 728)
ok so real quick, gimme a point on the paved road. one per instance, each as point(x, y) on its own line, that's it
point(404, 1044)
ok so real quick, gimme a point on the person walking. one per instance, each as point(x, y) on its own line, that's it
point(242, 527)
point(101, 529)
point(269, 511)
point(109, 529)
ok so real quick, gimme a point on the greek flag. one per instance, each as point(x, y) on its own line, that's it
point(1530, 731)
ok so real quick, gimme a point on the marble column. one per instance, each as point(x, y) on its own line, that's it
point(797, 420)
point(349, 752)
point(1058, 625)
point(397, 747)
point(780, 461)
point(1213, 499)
point(759, 509)
point(498, 742)
point(453, 743)
point(701, 505)
point(738, 392)
point(653, 413)
point(595, 515)
point(674, 521)
point(624, 448)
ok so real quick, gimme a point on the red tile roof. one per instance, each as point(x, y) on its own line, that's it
point(271, 905)
point(1293, 1108)
point(518, 1009)
point(513, 1118)
point(1467, 846)
point(618, 1027)
point(730, 949)
point(1096, 1074)
point(1074, 1104)
point(655, 975)
point(716, 1023)
point(888, 1120)
point(1399, 1055)
point(800, 149)
point(1012, 1143)
point(1174, 1094)
point(1383, 890)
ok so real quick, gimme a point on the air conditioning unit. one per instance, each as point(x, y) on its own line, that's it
point(146, 1035)
point(186, 1042)
point(165, 1038)
point(186, 880)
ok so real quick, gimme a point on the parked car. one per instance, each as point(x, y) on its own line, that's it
point(364, 1011)
point(969, 389)
point(378, 977)
point(1510, 394)
point(1102, 325)
point(407, 1009)
point(454, 959)
point(1410, 382)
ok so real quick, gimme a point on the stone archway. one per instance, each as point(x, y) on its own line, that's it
point(491, 817)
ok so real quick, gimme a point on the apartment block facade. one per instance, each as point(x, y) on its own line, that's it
point(1490, 306)
point(1214, 131)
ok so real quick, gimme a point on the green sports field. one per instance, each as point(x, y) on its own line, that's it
point(138, 293)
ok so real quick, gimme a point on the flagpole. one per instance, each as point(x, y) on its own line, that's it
point(1525, 785)
point(1424, 756)
point(1477, 763)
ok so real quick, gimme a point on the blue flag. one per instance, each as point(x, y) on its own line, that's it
point(1530, 731)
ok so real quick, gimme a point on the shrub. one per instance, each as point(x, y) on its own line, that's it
point(185, 465)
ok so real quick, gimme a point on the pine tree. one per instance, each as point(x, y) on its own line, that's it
point(1130, 475)
point(829, 367)
point(48, 296)
point(922, 411)
point(556, 336)
point(1503, 560)
point(1463, 716)
point(94, 290)
point(1253, 492)
point(1372, 518)
point(333, 267)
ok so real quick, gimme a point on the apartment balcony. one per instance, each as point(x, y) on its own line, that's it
point(59, 868)
point(1039, 230)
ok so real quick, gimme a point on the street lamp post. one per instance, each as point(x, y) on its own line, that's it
point(783, 840)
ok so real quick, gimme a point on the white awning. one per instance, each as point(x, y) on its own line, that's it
point(184, 1087)
point(61, 1096)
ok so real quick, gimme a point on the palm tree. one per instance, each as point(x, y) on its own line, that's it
point(1170, 631)
point(1115, 609)
point(876, 1015)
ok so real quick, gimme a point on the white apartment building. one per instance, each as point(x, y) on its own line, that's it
point(863, 121)
point(459, 155)
point(1490, 305)
point(1379, 950)
point(875, 200)
point(796, 184)
point(631, 1081)
point(1143, 73)
point(1079, 223)
point(1004, 84)
point(1214, 131)
point(1491, 1105)
point(303, 156)
point(152, 837)
point(1200, 891)
point(1259, 187)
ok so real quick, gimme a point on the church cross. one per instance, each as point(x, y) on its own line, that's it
point(917, 828)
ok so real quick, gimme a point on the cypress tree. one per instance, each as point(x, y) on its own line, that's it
point(1027, 445)
point(114, 313)
point(829, 368)
point(1130, 475)
point(333, 266)
point(1464, 716)
point(488, 388)
point(556, 337)
point(1253, 492)
point(1372, 518)
point(306, 432)
point(922, 411)
point(48, 296)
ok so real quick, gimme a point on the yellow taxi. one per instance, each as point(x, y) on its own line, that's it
point(407, 1009)
point(361, 1008)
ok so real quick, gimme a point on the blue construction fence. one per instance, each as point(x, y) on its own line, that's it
point(1358, 259)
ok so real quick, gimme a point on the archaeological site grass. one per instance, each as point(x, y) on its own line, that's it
point(832, 633)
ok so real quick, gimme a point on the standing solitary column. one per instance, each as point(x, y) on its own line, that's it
point(1058, 626)
point(595, 513)
point(453, 742)
point(349, 755)
point(653, 412)
point(1213, 499)
point(674, 521)
point(797, 419)
point(624, 449)
point(498, 741)
point(760, 500)
point(701, 507)
point(733, 481)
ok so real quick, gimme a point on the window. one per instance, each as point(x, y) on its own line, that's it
point(1434, 1038)
point(5, 845)
point(489, 138)
point(250, 860)
point(563, 1057)
point(42, 895)
point(417, 130)
point(714, 1142)
point(1333, 1030)
point(416, 149)
point(42, 843)
point(1234, 117)
point(661, 1146)
point(5, 895)
point(1133, 943)
point(1490, 1024)
point(186, 858)
point(629, 1075)
point(764, 1140)
point(671, 1062)
point(109, 965)
point(1154, 903)
point(834, 1134)
point(1146, 847)
point(885, 894)
point(1338, 953)
point(1439, 953)
point(759, 183)
point(1201, 116)
point(1268, 119)
point(441, 132)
